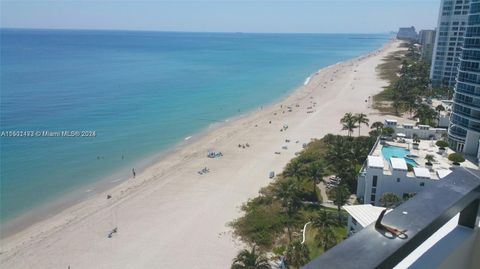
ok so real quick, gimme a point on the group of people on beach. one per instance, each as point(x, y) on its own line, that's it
point(244, 145)
point(204, 171)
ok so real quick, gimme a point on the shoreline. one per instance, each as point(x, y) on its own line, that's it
point(162, 169)
point(85, 192)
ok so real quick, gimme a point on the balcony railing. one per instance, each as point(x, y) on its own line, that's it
point(421, 216)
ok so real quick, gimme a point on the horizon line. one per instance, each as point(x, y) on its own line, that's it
point(180, 31)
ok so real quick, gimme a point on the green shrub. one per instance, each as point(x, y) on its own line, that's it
point(387, 131)
point(306, 193)
point(261, 224)
point(441, 144)
point(456, 158)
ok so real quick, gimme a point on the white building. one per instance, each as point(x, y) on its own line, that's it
point(421, 131)
point(397, 167)
point(452, 20)
point(381, 176)
point(360, 216)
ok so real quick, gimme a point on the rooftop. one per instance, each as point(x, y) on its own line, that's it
point(441, 165)
point(399, 164)
point(375, 162)
point(364, 214)
point(421, 172)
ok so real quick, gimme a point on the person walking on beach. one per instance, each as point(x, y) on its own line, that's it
point(133, 172)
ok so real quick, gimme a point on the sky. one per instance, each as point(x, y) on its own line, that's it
point(271, 16)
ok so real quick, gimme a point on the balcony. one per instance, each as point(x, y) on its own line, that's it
point(457, 133)
point(464, 121)
point(473, 104)
point(442, 231)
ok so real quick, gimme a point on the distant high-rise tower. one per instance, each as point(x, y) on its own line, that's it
point(427, 40)
point(407, 33)
point(448, 42)
point(464, 131)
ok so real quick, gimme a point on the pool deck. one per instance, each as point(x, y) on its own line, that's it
point(425, 147)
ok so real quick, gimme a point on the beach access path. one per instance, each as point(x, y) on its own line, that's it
point(170, 216)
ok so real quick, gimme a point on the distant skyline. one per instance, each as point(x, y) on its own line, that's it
point(280, 16)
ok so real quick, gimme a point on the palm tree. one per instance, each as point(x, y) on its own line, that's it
point(297, 254)
point(294, 169)
point(324, 223)
point(287, 192)
point(348, 123)
point(361, 119)
point(250, 260)
point(326, 238)
point(340, 196)
point(315, 172)
point(425, 114)
point(430, 159)
point(415, 138)
point(338, 154)
point(376, 129)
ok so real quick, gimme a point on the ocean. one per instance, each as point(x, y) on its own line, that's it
point(79, 107)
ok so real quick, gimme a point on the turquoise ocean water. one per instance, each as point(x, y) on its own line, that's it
point(141, 92)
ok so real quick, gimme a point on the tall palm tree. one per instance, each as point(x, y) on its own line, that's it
point(339, 154)
point(326, 238)
point(425, 114)
point(287, 192)
point(315, 172)
point(361, 119)
point(294, 169)
point(250, 260)
point(340, 195)
point(324, 222)
point(348, 123)
point(297, 254)
point(376, 129)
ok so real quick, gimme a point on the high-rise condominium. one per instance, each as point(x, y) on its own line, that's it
point(464, 131)
point(448, 42)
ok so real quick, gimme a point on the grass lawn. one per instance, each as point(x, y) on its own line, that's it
point(390, 68)
point(389, 71)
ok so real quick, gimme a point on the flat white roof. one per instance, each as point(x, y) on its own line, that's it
point(364, 214)
point(441, 173)
point(399, 163)
point(375, 161)
point(421, 172)
point(391, 121)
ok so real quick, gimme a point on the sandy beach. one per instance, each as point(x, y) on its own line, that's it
point(170, 216)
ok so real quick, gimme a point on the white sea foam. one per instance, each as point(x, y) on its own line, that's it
point(306, 81)
point(188, 137)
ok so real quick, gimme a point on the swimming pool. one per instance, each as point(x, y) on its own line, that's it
point(397, 152)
